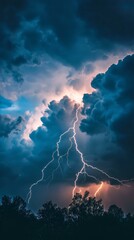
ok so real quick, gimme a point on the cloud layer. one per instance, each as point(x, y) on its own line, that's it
point(24, 160)
point(50, 49)
point(71, 32)
point(109, 115)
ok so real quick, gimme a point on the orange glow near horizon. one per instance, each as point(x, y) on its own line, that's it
point(98, 190)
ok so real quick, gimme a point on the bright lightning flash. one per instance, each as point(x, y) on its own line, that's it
point(83, 169)
point(57, 153)
point(99, 188)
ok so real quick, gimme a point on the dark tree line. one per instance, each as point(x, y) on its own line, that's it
point(84, 218)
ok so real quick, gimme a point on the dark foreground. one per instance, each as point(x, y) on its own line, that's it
point(85, 218)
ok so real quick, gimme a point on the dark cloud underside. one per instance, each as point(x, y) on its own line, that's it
point(110, 112)
point(71, 32)
point(66, 38)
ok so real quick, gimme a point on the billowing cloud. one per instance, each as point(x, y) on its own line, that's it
point(50, 49)
point(109, 115)
point(57, 119)
point(24, 160)
point(43, 41)
point(70, 32)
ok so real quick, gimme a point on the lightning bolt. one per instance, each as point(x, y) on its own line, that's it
point(68, 151)
point(29, 195)
point(85, 165)
point(57, 153)
point(99, 188)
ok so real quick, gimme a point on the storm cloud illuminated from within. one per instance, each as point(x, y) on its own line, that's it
point(57, 57)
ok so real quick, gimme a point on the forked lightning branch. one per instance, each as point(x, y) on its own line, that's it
point(84, 170)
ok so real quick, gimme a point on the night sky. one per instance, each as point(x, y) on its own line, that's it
point(57, 57)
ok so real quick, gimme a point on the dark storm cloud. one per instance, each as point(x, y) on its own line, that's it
point(55, 115)
point(111, 21)
point(57, 119)
point(8, 124)
point(6, 175)
point(23, 162)
point(11, 15)
point(110, 115)
point(15, 165)
point(71, 32)
point(12, 152)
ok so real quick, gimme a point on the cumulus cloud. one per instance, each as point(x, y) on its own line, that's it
point(109, 115)
point(24, 160)
point(57, 119)
point(47, 50)
point(70, 32)
point(42, 39)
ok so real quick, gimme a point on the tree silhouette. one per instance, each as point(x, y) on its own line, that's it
point(83, 218)
point(14, 217)
point(51, 219)
point(85, 205)
point(116, 212)
point(51, 214)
